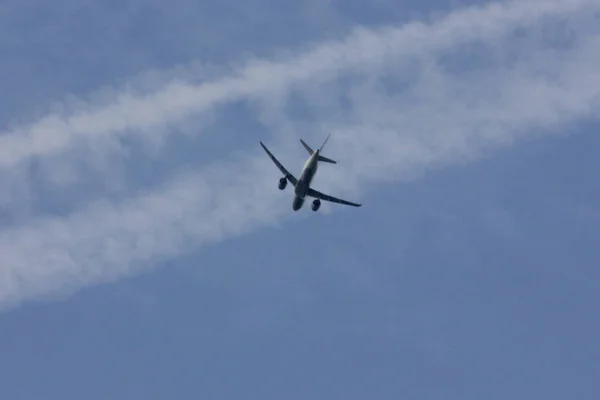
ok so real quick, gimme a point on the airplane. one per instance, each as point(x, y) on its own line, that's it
point(302, 186)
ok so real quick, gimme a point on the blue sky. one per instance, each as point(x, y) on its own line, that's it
point(147, 253)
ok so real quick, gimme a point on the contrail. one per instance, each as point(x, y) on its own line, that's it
point(361, 51)
point(435, 120)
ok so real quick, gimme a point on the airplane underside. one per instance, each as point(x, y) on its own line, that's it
point(298, 201)
point(301, 186)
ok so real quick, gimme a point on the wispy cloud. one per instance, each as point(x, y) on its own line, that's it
point(395, 107)
point(362, 51)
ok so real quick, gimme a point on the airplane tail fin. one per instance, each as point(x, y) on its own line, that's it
point(320, 157)
point(323, 145)
point(323, 158)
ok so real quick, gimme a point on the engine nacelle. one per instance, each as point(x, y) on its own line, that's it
point(282, 183)
point(315, 204)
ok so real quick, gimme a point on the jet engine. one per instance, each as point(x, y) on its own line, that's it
point(282, 183)
point(316, 204)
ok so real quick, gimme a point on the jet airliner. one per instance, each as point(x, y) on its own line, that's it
point(302, 186)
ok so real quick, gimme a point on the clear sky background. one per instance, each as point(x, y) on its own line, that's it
point(146, 252)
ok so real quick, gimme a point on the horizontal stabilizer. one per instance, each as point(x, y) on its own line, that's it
point(327, 160)
point(307, 147)
point(320, 157)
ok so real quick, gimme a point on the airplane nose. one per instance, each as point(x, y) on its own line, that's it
point(297, 203)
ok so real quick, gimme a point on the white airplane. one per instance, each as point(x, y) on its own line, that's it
point(302, 186)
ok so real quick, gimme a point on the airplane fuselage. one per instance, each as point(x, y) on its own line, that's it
point(308, 173)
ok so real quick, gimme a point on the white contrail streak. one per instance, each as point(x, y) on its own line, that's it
point(441, 119)
point(360, 51)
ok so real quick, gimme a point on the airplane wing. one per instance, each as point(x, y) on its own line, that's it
point(319, 195)
point(284, 171)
